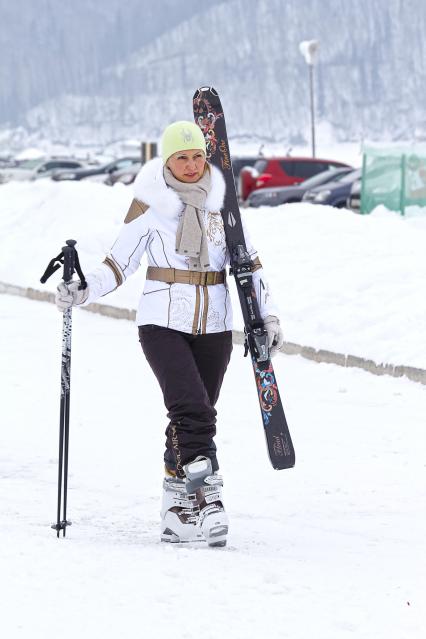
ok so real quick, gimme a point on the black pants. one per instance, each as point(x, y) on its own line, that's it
point(190, 371)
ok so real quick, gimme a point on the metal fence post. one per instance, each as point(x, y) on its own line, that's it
point(363, 173)
point(402, 197)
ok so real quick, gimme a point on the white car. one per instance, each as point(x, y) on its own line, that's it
point(35, 169)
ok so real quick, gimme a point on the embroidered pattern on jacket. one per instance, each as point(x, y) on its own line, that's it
point(205, 309)
point(181, 309)
point(213, 316)
point(214, 229)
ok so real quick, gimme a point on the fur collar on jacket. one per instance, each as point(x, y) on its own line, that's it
point(151, 188)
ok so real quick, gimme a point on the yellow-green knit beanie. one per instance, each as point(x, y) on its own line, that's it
point(181, 136)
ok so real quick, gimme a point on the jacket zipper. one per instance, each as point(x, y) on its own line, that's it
point(200, 314)
point(196, 319)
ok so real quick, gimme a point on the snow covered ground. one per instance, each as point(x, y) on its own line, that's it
point(332, 549)
point(344, 282)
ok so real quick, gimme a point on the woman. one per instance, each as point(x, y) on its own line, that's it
point(184, 318)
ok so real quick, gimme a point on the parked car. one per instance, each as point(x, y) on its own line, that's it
point(281, 171)
point(6, 161)
point(123, 176)
point(35, 169)
point(334, 193)
point(93, 171)
point(274, 196)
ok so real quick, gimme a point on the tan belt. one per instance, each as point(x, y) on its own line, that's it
point(178, 276)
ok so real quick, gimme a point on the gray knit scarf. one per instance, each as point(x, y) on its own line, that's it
point(191, 239)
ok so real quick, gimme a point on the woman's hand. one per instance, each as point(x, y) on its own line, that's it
point(68, 295)
point(275, 334)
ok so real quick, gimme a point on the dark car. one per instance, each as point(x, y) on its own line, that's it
point(105, 169)
point(288, 194)
point(123, 176)
point(334, 193)
point(281, 171)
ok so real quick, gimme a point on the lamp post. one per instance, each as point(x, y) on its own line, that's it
point(309, 49)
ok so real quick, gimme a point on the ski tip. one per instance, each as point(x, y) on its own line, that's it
point(287, 465)
point(282, 462)
point(205, 89)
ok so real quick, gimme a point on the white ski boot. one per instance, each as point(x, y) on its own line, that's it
point(179, 513)
point(207, 486)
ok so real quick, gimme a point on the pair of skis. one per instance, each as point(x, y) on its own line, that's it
point(208, 114)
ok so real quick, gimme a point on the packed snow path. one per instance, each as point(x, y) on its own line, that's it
point(333, 548)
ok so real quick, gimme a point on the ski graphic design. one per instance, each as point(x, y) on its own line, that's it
point(208, 114)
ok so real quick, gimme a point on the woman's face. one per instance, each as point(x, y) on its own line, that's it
point(187, 166)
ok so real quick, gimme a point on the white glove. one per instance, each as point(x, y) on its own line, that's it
point(275, 334)
point(68, 295)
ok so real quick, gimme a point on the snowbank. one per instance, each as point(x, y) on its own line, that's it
point(344, 282)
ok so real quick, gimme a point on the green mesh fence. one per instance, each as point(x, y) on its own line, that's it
point(394, 177)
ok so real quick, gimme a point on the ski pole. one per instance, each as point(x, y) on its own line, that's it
point(69, 259)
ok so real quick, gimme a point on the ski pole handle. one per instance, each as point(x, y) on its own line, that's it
point(69, 260)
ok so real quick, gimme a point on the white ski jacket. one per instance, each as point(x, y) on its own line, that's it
point(150, 227)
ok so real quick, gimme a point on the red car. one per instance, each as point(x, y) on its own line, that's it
point(281, 171)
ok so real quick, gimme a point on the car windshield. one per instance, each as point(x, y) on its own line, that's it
point(28, 164)
point(116, 165)
point(238, 163)
point(261, 165)
point(324, 176)
point(350, 177)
